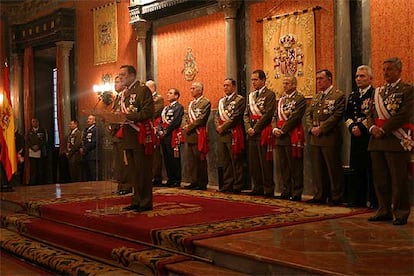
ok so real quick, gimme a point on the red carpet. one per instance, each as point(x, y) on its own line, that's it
point(181, 216)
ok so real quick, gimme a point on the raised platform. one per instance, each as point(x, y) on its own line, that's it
point(272, 237)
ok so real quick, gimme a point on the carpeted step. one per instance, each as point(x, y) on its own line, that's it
point(62, 239)
point(104, 248)
point(54, 259)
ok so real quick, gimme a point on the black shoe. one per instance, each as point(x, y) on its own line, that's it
point(132, 208)
point(157, 183)
point(255, 193)
point(380, 218)
point(399, 221)
point(124, 192)
point(142, 209)
point(267, 195)
point(236, 192)
point(295, 198)
point(282, 196)
point(315, 201)
point(199, 188)
point(335, 202)
point(225, 191)
point(191, 186)
point(174, 184)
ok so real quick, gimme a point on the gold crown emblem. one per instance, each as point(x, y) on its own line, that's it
point(288, 40)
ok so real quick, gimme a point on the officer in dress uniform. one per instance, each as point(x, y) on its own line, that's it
point(169, 131)
point(391, 124)
point(72, 151)
point(195, 135)
point(323, 120)
point(89, 150)
point(158, 107)
point(36, 140)
point(138, 138)
point(120, 163)
point(289, 134)
point(360, 188)
point(258, 116)
point(229, 125)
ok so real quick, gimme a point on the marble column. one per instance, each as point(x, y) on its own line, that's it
point(141, 28)
point(16, 77)
point(366, 32)
point(63, 86)
point(230, 8)
point(343, 60)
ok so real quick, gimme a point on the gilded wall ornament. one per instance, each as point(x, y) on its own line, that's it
point(190, 68)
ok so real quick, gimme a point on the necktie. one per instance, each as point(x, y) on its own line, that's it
point(256, 93)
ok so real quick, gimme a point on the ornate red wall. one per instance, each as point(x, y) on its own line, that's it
point(392, 35)
point(88, 73)
point(206, 37)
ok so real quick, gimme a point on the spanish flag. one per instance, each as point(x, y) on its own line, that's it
point(8, 156)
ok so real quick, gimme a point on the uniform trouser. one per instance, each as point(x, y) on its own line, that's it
point(140, 175)
point(172, 163)
point(121, 168)
point(232, 167)
point(327, 173)
point(75, 168)
point(157, 164)
point(197, 167)
point(390, 171)
point(261, 170)
point(290, 176)
point(37, 171)
point(92, 170)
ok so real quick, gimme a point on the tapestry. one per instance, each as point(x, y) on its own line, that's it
point(289, 49)
point(105, 34)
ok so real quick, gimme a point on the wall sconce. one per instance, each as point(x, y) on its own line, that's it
point(104, 90)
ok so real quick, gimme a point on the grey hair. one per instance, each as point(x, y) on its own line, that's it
point(366, 68)
point(199, 85)
point(293, 79)
point(396, 61)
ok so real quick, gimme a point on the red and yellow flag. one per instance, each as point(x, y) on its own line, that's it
point(8, 157)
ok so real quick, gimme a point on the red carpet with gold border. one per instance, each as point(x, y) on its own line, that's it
point(181, 216)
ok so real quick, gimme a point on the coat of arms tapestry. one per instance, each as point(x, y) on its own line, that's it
point(105, 34)
point(289, 49)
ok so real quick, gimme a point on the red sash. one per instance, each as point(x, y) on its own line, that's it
point(297, 139)
point(155, 124)
point(202, 142)
point(145, 137)
point(237, 140)
point(177, 137)
point(266, 137)
point(381, 122)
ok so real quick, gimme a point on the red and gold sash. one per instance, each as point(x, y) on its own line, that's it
point(297, 138)
point(266, 137)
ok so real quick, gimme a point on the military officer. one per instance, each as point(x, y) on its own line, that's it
point(72, 151)
point(258, 116)
point(169, 131)
point(229, 125)
point(360, 189)
point(290, 140)
point(138, 138)
point(195, 135)
point(323, 120)
point(391, 125)
point(158, 107)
